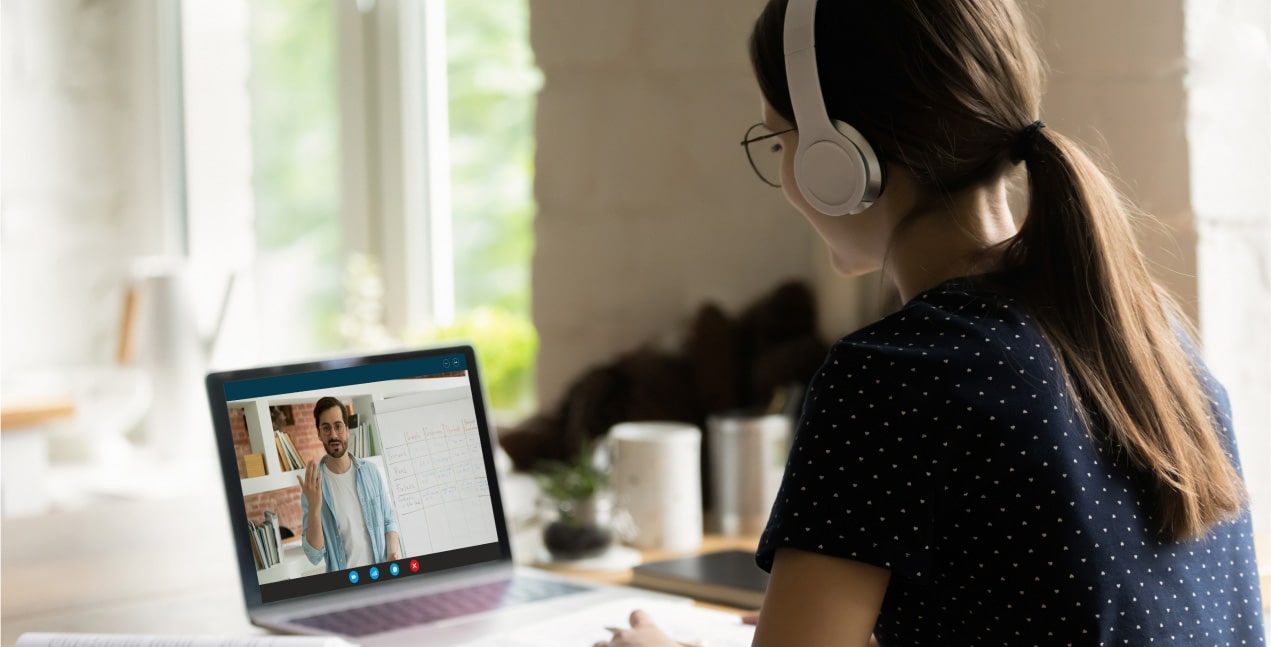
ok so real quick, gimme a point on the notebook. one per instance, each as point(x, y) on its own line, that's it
point(414, 544)
point(728, 577)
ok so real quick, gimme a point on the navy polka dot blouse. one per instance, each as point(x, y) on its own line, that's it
point(940, 443)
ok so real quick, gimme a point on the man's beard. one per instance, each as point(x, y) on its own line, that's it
point(344, 449)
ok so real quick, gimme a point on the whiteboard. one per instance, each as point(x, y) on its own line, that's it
point(431, 446)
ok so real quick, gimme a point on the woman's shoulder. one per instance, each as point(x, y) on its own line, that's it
point(958, 321)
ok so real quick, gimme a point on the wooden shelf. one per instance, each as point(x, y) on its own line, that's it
point(31, 412)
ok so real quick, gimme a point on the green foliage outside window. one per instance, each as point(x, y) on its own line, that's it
point(296, 150)
point(296, 175)
point(492, 88)
point(506, 344)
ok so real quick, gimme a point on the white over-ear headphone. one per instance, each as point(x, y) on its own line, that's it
point(835, 168)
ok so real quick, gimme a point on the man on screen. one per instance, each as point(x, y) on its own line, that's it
point(348, 517)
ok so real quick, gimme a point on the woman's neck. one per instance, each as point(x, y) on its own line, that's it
point(950, 236)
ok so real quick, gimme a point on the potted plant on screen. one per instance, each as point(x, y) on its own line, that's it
point(578, 491)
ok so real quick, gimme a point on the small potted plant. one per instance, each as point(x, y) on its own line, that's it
point(578, 490)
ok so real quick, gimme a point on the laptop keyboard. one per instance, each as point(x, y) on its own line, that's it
point(387, 616)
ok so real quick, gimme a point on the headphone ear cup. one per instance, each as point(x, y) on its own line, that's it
point(838, 172)
point(828, 171)
point(874, 179)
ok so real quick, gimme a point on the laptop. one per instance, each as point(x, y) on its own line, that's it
point(416, 429)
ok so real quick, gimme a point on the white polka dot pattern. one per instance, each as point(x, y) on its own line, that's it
point(940, 443)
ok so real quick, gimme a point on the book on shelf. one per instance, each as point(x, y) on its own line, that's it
point(266, 541)
point(273, 535)
point(283, 459)
point(253, 465)
point(259, 538)
point(299, 460)
point(256, 547)
point(283, 456)
point(260, 563)
point(359, 445)
point(362, 440)
point(726, 577)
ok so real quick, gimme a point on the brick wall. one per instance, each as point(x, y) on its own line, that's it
point(285, 502)
point(304, 433)
point(242, 443)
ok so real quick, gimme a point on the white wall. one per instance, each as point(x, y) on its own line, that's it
point(647, 207)
point(1229, 129)
point(83, 186)
point(1117, 83)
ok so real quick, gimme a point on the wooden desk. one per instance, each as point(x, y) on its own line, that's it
point(123, 567)
point(158, 567)
point(710, 544)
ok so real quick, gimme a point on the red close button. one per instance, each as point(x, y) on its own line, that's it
point(414, 566)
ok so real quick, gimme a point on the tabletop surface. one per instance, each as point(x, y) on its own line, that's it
point(162, 566)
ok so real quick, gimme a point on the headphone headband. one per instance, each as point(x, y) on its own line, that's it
point(799, 43)
point(835, 168)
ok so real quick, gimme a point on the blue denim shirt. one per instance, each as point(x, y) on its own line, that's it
point(377, 512)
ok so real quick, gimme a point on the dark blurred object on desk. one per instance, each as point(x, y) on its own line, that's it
point(728, 577)
point(752, 363)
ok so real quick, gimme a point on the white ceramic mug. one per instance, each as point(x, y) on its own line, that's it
point(657, 479)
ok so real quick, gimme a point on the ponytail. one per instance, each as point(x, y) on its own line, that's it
point(1117, 335)
point(952, 88)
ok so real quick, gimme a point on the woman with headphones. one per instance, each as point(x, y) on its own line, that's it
point(1030, 450)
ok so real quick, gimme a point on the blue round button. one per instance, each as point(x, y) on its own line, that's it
point(375, 573)
point(394, 569)
point(353, 577)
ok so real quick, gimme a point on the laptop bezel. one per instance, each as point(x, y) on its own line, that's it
point(217, 402)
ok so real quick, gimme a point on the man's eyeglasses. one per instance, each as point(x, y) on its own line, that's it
point(764, 152)
point(327, 429)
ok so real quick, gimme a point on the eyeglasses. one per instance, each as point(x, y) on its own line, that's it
point(326, 429)
point(764, 152)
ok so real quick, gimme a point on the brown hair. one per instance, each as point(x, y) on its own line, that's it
point(328, 402)
point(944, 88)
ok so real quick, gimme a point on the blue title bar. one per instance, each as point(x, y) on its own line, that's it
point(335, 377)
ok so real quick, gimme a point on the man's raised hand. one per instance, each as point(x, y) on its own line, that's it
point(311, 485)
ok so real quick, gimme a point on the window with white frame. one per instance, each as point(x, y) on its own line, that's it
point(363, 169)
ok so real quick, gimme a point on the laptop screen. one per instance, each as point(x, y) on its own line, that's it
point(357, 472)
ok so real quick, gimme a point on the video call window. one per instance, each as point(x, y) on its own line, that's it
point(401, 469)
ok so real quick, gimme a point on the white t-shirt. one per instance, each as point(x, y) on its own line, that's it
point(349, 518)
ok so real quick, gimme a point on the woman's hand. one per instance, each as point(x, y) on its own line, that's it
point(643, 633)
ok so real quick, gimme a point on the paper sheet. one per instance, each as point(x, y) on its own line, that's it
point(682, 622)
point(139, 640)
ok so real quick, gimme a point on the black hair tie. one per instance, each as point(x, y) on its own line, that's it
point(1026, 141)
